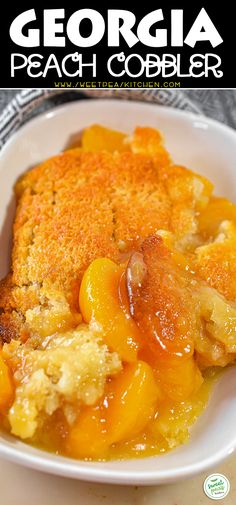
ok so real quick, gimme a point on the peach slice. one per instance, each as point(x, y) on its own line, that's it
point(100, 302)
point(217, 210)
point(132, 403)
point(6, 386)
point(179, 380)
point(97, 138)
point(88, 437)
point(124, 412)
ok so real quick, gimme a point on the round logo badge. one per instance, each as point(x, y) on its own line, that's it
point(216, 486)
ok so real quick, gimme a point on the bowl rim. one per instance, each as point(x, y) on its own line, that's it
point(96, 471)
point(115, 102)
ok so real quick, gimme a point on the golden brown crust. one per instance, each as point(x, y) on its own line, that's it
point(10, 326)
point(215, 263)
point(80, 205)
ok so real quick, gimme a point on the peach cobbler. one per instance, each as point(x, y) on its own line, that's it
point(120, 307)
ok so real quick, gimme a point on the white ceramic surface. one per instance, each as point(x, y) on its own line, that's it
point(199, 143)
point(37, 488)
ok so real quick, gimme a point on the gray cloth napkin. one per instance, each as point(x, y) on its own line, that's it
point(219, 104)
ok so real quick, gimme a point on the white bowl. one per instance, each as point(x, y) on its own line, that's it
point(199, 143)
